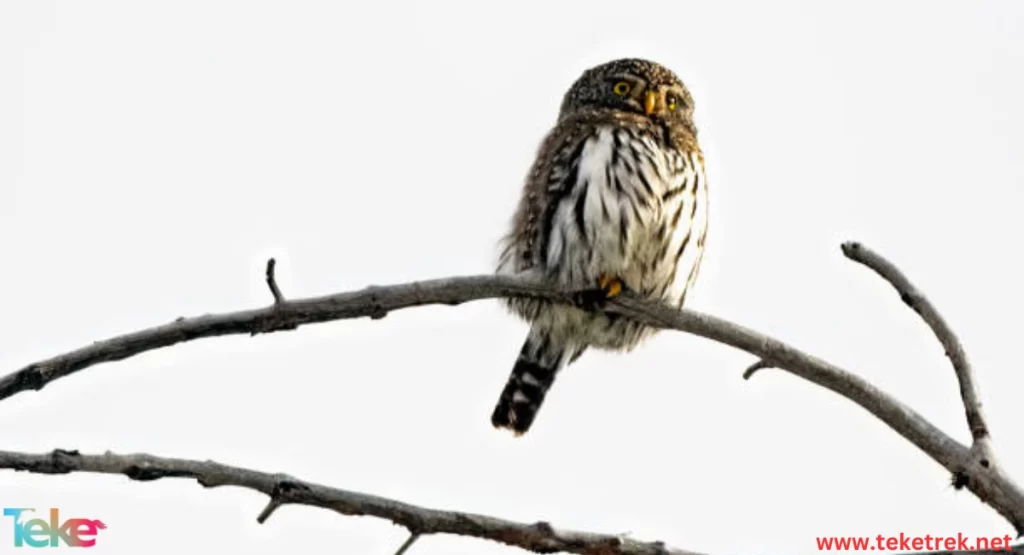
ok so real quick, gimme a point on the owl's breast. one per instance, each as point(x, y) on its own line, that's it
point(625, 209)
point(634, 203)
point(625, 205)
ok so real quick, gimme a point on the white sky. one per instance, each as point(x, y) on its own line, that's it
point(153, 155)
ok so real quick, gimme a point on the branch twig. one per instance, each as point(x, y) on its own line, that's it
point(761, 364)
point(988, 482)
point(954, 350)
point(272, 282)
point(408, 543)
point(283, 490)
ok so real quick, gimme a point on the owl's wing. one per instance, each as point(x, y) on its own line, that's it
point(551, 178)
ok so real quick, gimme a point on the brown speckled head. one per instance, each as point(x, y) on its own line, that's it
point(631, 85)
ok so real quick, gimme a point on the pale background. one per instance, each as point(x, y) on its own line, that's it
point(153, 155)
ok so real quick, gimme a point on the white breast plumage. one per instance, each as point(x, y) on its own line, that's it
point(632, 213)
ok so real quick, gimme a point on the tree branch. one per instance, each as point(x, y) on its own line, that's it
point(954, 350)
point(272, 282)
point(988, 482)
point(408, 543)
point(283, 490)
point(756, 367)
point(282, 315)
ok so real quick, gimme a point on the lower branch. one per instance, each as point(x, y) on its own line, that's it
point(282, 489)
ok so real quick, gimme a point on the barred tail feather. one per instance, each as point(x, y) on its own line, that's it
point(534, 372)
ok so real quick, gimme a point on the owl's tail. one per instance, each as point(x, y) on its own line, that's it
point(539, 361)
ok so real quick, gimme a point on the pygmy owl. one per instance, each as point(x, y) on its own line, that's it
point(615, 200)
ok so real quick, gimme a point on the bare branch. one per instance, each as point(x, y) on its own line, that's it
point(420, 521)
point(954, 350)
point(374, 302)
point(408, 543)
point(753, 368)
point(988, 482)
point(272, 505)
point(272, 282)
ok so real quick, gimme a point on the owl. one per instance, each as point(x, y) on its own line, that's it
point(616, 200)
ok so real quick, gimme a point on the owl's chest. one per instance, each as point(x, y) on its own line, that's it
point(627, 209)
point(630, 181)
point(630, 211)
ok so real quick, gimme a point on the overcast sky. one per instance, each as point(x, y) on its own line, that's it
point(153, 155)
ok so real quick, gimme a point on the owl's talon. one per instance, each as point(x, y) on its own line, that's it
point(612, 286)
point(594, 299)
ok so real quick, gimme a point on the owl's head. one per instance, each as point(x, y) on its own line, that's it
point(631, 85)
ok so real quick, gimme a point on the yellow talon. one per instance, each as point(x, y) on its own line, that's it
point(612, 286)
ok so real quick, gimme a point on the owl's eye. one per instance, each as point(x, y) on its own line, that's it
point(621, 88)
point(671, 103)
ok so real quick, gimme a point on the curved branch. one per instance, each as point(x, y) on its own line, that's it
point(540, 537)
point(282, 315)
point(954, 350)
point(988, 482)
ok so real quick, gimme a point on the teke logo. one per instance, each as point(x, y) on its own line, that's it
point(76, 532)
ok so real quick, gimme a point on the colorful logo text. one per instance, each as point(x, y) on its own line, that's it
point(73, 532)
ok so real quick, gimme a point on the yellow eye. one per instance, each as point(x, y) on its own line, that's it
point(621, 88)
point(671, 103)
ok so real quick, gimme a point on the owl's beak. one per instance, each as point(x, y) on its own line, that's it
point(651, 102)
